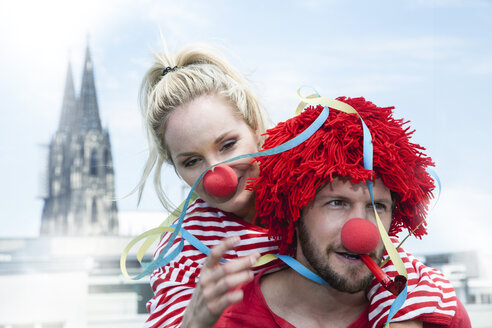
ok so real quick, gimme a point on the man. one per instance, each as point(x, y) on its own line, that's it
point(306, 195)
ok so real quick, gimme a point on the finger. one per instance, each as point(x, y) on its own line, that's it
point(212, 276)
point(240, 264)
point(211, 270)
point(227, 284)
point(220, 249)
point(218, 306)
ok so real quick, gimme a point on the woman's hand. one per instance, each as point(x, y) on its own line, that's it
point(216, 289)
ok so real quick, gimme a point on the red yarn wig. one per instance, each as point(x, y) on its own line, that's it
point(289, 181)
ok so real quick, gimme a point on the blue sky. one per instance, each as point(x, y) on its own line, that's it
point(432, 60)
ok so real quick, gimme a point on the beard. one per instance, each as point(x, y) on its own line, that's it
point(318, 260)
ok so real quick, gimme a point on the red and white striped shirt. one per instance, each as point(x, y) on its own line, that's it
point(430, 296)
point(174, 284)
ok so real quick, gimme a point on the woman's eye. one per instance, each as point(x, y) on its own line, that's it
point(229, 144)
point(190, 162)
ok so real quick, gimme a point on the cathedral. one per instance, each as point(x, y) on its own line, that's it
point(79, 197)
point(69, 276)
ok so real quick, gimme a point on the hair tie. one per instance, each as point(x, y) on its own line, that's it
point(169, 69)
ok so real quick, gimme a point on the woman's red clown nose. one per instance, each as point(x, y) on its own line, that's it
point(220, 181)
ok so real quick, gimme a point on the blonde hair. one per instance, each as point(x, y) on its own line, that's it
point(199, 70)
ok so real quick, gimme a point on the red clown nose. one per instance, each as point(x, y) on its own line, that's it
point(362, 237)
point(220, 181)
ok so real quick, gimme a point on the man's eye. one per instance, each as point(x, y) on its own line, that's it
point(335, 203)
point(379, 207)
point(190, 162)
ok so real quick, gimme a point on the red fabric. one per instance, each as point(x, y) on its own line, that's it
point(460, 319)
point(174, 283)
point(254, 312)
point(288, 181)
point(430, 298)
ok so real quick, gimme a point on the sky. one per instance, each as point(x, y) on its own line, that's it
point(432, 60)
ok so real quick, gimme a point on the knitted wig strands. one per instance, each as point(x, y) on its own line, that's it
point(289, 181)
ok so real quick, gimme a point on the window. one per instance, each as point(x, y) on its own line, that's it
point(94, 211)
point(94, 163)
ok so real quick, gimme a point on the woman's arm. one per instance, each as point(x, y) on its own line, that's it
point(218, 284)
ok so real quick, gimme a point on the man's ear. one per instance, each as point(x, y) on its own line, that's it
point(394, 198)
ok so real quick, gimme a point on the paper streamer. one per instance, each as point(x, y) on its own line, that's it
point(368, 164)
point(164, 258)
point(291, 262)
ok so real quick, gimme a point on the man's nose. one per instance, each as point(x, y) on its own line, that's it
point(359, 211)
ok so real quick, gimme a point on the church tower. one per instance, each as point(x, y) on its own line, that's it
point(80, 189)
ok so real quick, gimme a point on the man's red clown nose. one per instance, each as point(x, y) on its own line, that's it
point(360, 236)
point(220, 181)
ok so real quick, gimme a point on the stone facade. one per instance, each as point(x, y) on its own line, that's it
point(80, 196)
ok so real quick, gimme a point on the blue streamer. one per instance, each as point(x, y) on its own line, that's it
point(195, 242)
point(151, 266)
point(162, 260)
point(291, 262)
point(302, 270)
point(436, 177)
point(397, 304)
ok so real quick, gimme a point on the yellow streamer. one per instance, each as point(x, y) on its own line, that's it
point(302, 104)
point(390, 248)
point(166, 223)
point(151, 236)
point(403, 241)
point(341, 106)
point(265, 259)
point(329, 102)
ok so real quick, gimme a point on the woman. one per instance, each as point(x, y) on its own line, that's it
point(199, 111)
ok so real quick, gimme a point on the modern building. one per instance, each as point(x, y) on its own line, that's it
point(70, 282)
point(470, 273)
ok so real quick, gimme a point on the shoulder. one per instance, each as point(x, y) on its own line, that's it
point(254, 306)
point(430, 298)
point(211, 225)
point(460, 319)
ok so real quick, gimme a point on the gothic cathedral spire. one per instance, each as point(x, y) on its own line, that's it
point(88, 99)
point(69, 103)
point(80, 196)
